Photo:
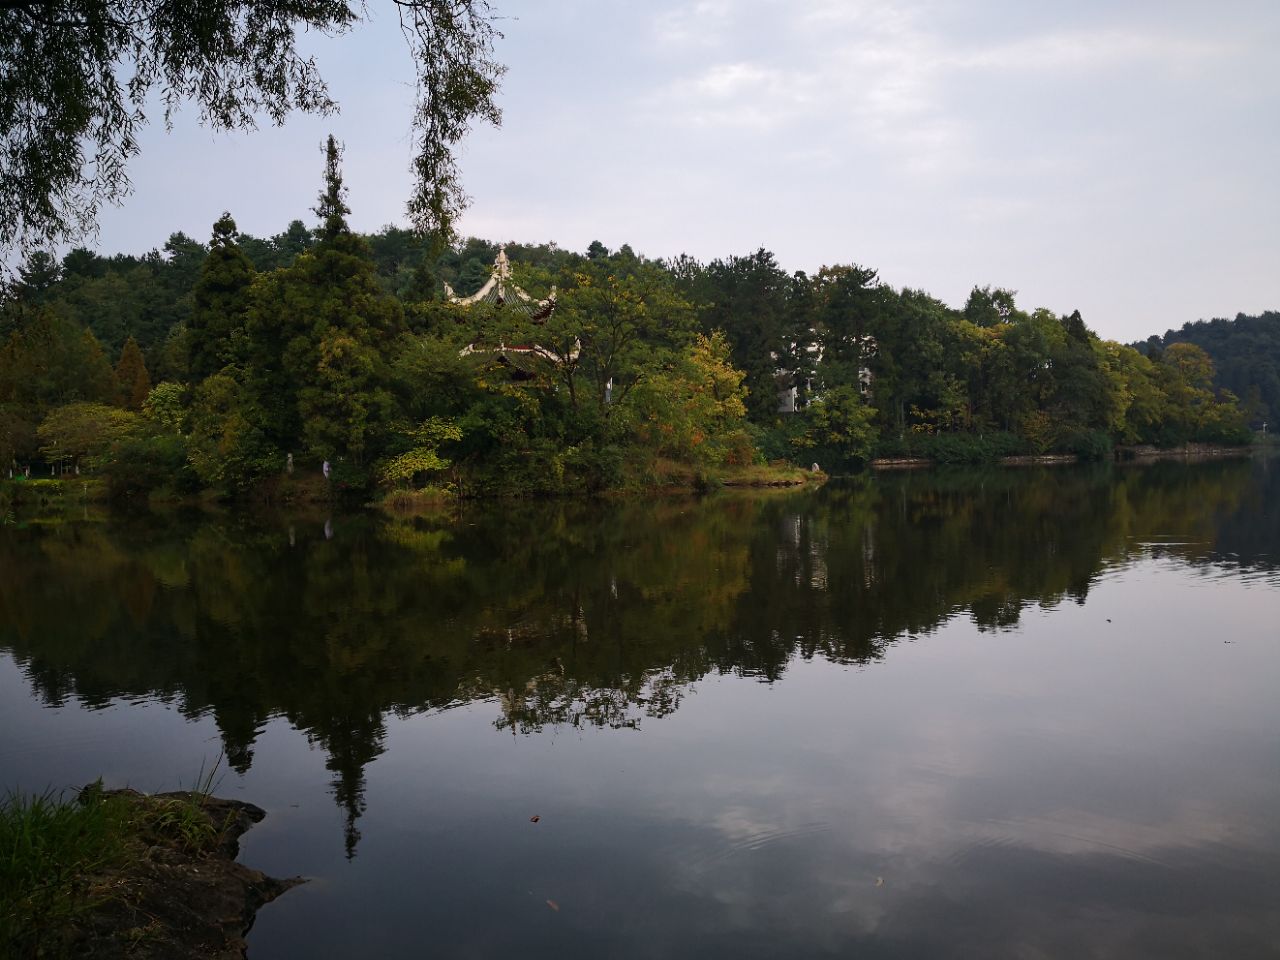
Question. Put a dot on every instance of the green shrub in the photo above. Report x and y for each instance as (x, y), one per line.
(140, 463)
(42, 492)
(774, 442)
(954, 447)
(1086, 444)
(594, 468)
(836, 430)
(1226, 434)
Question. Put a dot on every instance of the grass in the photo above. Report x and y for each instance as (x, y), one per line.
(765, 475)
(51, 491)
(667, 474)
(62, 858)
(50, 849)
(428, 499)
(181, 820)
(304, 486)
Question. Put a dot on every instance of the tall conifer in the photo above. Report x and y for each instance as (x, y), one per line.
(220, 300)
(132, 379)
(332, 208)
(320, 334)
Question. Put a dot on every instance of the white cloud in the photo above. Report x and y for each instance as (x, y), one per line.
(1077, 50)
(737, 79)
(867, 71)
(699, 25)
(945, 144)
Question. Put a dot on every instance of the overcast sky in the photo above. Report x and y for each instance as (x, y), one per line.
(1118, 157)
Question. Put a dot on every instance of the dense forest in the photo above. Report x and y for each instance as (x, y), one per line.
(1246, 353)
(247, 364)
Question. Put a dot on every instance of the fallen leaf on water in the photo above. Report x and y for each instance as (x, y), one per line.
(535, 818)
(553, 905)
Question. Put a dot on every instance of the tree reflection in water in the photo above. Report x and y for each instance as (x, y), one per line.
(574, 614)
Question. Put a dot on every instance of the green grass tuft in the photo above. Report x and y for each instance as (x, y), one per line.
(63, 858)
(50, 848)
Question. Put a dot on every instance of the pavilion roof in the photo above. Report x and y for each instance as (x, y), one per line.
(501, 290)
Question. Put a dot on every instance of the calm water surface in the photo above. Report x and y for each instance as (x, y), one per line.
(1002, 714)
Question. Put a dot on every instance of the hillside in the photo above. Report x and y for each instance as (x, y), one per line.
(1245, 353)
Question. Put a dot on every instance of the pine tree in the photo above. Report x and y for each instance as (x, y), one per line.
(40, 272)
(65, 363)
(320, 334)
(132, 379)
(220, 300)
(332, 209)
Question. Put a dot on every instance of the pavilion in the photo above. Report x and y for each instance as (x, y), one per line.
(501, 291)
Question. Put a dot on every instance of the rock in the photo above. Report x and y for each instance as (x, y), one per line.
(173, 903)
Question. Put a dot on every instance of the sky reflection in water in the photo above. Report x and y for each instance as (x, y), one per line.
(956, 714)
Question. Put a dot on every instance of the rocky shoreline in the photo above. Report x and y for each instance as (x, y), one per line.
(176, 900)
(1190, 451)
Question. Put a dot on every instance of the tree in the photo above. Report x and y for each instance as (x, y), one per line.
(82, 430)
(131, 376)
(17, 435)
(37, 275)
(850, 301)
(798, 350)
(132, 297)
(747, 298)
(229, 448)
(47, 360)
(1024, 376)
(990, 307)
(908, 365)
(695, 409)
(318, 339)
(837, 428)
(424, 454)
(1136, 404)
(346, 408)
(78, 77)
(1245, 353)
(607, 328)
(220, 300)
(165, 407)
(83, 263)
(1080, 397)
(183, 259)
(1186, 376)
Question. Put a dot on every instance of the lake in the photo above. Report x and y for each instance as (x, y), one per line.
(1002, 713)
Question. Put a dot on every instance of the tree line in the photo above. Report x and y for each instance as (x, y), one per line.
(1245, 352)
(229, 364)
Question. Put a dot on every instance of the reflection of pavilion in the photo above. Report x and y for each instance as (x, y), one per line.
(500, 291)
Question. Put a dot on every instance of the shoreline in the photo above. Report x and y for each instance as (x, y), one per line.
(1190, 451)
(172, 888)
(66, 492)
(1120, 454)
